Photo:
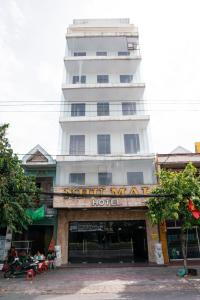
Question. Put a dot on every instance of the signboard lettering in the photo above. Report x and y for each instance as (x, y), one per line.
(109, 196)
(128, 190)
(104, 202)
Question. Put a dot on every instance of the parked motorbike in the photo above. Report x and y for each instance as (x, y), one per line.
(16, 268)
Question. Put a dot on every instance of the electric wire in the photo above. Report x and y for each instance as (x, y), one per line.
(58, 111)
(159, 101)
(150, 105)
(85, 195)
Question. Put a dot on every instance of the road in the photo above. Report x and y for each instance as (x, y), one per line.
(105, 283)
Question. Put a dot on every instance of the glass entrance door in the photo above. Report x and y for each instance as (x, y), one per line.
(107, 241)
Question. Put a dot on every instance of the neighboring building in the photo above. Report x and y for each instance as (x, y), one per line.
(104, 147)
(170, 233)
(42, 166)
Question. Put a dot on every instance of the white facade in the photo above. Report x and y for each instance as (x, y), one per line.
(104, 128)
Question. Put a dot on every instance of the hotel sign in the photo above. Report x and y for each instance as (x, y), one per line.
(83, 199)
(104, 202)
(107, 190)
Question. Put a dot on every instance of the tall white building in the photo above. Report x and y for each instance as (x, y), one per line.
(104, 128)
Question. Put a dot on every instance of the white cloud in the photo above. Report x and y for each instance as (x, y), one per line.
(16, 15)
(32, 48)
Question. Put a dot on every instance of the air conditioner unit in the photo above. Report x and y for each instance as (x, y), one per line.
(131, 46)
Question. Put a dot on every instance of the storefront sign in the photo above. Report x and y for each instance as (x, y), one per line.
(122, 190)
(83, 199)
(102, 202)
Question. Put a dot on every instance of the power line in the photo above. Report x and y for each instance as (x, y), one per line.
(76, 195)
(29, 101)
(63, 111)
(85, 155)
(84, 195)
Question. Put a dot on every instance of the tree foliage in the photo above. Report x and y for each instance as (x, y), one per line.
(176, 188)
(17, 191)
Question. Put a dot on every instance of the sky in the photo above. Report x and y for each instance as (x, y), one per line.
(32, 46)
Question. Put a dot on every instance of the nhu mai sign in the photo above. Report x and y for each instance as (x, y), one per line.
(94, 201)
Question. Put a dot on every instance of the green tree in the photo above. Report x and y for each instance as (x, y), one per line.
(181, 186)
(17, 190)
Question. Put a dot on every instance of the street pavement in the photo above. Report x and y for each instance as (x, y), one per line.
(105, 283)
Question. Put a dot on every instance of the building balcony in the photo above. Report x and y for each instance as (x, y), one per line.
(101, 40)
(102, 123)
(103, 64)
(88, 32)
(98, 91)
(107, 157)
(118, 167)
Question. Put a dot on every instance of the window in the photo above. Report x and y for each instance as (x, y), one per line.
(77, 109)
(103, 143)
(79, 79)
(102, 109)
(77, 178)
(79, 53)
(129, 108)
(135, 178)
(126, 78)
(102, 79)
(77, 145)
(132, 143)
(105, 178)
(123, 53)
(101, 53)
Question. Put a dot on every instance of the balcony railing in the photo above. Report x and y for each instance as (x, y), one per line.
(71, 33)
(110, 55)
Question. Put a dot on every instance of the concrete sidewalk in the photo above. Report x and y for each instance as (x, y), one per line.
(123, 282)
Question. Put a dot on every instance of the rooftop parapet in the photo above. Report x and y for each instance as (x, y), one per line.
(102, 22)
(101, 27)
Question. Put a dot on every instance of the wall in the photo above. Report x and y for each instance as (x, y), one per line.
(115, 109)
(118, 169)
(115, 130)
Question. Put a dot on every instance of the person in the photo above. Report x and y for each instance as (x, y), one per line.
(22, 256)
(39, 256)
(12, 254)
(51, 256)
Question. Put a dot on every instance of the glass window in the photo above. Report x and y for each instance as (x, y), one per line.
(129, 108)
(79, 53)
(79, 79)
(126, 78)
(77, 178)
(135, 178)
(77, 145)
(77, 109)
(123, 53)
(75, 79)
(103, 143)
(132, 143)
(83, 79)
(101, 53)
(105, 178)
(102, 109)
(102, 78)
(174, 243)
